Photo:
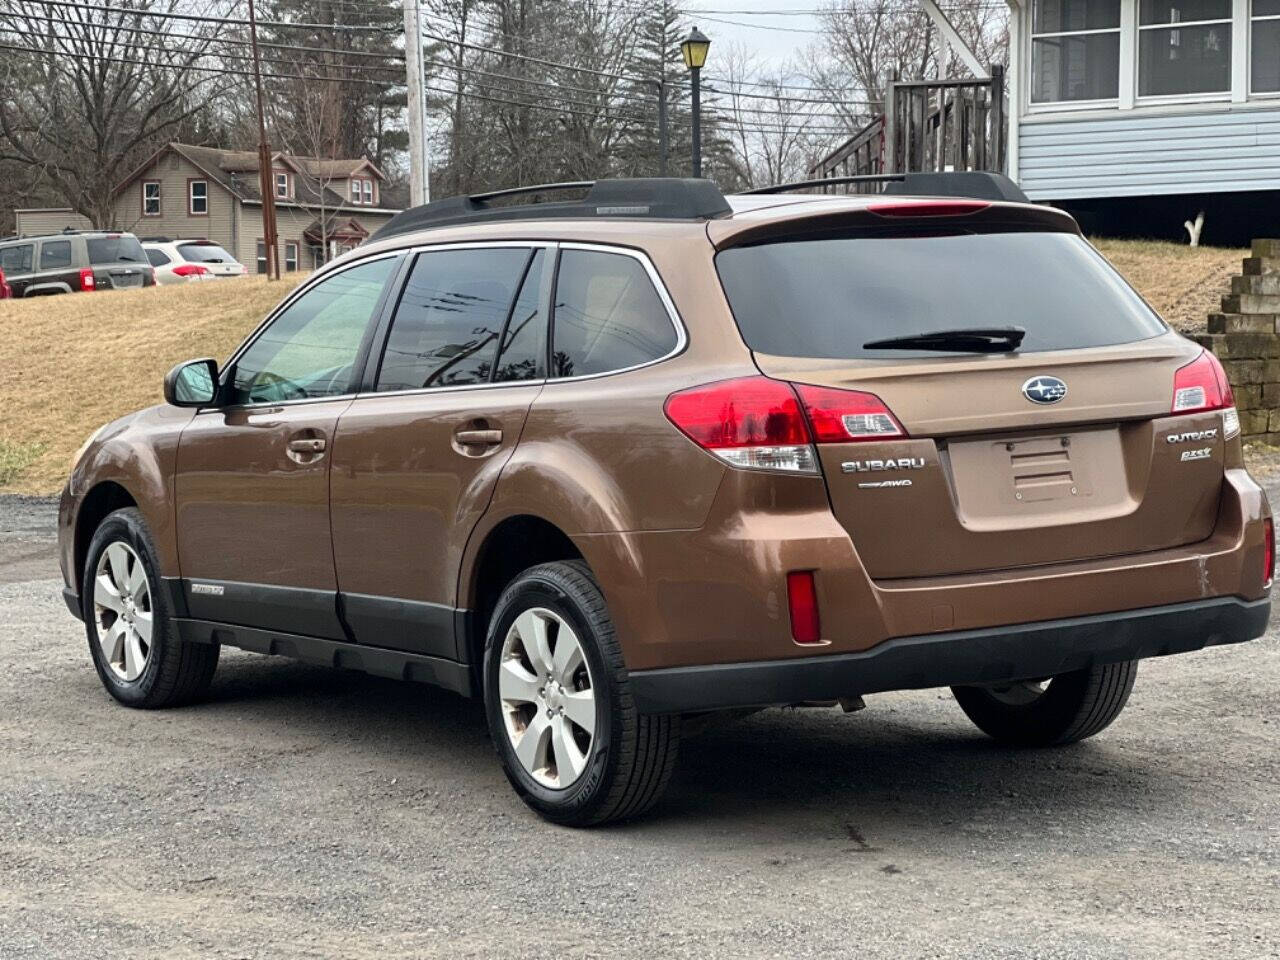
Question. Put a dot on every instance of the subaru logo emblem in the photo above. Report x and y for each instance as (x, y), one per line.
(1044, 389)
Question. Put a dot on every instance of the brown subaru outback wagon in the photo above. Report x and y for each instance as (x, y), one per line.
(616, 462)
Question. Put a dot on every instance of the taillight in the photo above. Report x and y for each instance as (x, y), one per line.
(802, 601)
(845, 416)
(1202, 385)
(87, 281)
(751, 422)
(190, 270)
(1269, 552)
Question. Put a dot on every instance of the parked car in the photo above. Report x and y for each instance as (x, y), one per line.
(74, 260)
(6, 291)
(182, 261)
(656, 454)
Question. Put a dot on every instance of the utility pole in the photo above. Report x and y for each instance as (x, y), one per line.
(266, 182)
(419, 155)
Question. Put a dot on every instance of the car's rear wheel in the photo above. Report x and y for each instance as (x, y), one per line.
(560, 707)
(138, 654)
(1057, 710)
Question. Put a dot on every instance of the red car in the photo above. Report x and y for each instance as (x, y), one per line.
(6, 291)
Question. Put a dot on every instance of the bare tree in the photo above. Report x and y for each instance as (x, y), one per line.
(98, 90)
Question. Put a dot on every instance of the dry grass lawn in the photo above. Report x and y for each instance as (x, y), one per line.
(72, 363)
(1185, 284)
(69, 364)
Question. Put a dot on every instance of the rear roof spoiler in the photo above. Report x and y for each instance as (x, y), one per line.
(656, 198)
(971, 184)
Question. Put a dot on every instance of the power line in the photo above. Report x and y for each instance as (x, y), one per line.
(197, 18)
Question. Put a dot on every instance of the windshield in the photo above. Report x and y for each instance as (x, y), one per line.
(829, 297)
(122, 249)
(204, 253)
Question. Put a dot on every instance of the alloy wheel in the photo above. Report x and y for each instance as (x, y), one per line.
(122, 611)
(548, 697)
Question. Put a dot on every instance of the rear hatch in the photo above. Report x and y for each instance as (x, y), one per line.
(212, 257)
(1060, 448)
(119, 262)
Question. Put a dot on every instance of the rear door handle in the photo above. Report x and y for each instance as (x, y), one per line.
(309, 445)
(479, 438)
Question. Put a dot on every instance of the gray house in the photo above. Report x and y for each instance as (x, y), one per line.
(1143, 109)
(323, 207)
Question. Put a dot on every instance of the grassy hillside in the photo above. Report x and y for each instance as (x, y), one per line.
(69, 364)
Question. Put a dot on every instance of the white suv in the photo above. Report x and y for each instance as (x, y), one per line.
(181, 261)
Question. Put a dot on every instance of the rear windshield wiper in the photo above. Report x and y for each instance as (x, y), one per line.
(961, 340)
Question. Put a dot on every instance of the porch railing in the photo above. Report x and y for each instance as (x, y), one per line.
(927, 126)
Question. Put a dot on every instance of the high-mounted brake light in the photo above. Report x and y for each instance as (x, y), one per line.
(751, 422)
(927, 208)
(845, 416)
(87, 281)
(1201, 386)
(190, 270)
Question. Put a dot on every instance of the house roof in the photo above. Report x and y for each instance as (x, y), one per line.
(237, 172)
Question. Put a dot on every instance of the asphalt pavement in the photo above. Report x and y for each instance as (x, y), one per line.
(314, 813)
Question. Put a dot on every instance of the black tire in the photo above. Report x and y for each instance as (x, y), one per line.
(631, 756)
(1072, 706)
(175, 672)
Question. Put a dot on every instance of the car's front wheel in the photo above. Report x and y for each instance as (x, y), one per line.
(1058, 710)
(560, 707)
(139, 656)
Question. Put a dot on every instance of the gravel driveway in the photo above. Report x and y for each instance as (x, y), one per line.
(304, 812)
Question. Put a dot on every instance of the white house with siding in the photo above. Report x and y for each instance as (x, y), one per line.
(1114, 99)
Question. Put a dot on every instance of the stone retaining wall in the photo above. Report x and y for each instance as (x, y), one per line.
(1245, 336)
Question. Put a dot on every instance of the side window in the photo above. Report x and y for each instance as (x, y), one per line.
(55, 254)
(309, 350)
(15, 260)
(158, 258)
(445, 331)
(608, 316)
(523, 352)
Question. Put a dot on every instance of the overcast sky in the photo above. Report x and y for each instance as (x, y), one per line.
(774, 38)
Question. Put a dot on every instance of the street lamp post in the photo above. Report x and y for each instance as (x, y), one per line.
(694, 49)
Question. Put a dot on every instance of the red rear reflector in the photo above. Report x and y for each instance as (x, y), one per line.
(1269, 553)
(845, 416)
(1201, 385)
(87, 281)
(802, 599)
(927, 208)
(190, 270)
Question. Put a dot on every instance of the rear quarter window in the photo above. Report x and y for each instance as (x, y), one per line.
(608, 316)
(827, 297)
(55, 254)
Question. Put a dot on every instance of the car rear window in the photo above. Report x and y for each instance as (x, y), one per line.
(115, 250)
(204, 253)
(827, 297)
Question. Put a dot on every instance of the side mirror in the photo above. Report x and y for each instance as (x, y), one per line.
(192, 384)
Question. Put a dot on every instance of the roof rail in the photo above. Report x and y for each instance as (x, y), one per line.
(653, 198)
(974, 184)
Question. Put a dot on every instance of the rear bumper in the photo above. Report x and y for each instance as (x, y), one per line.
(992, 655)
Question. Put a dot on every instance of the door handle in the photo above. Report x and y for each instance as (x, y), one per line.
(479, 438)
(308, 445)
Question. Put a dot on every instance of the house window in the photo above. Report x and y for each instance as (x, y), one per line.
(262, 256)
(282, 186)
(1264, 53)
(368, 191)
(317, 255)
(1075, 50)
(151, 198)
(198, 191)
(356, 191)
(1184, 46)
(290, 256)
